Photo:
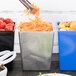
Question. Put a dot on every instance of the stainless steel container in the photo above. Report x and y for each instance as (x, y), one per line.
(36, 50)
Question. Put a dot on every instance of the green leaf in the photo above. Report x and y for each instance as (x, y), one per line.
(40, 74)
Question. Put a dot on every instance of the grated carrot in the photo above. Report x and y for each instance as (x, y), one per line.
(35, 12)
(37, 24)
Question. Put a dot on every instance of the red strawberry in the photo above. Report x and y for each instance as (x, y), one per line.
(2, 29)
(11, 24)
(1, 18)
(8, 20)
(2, 24)
(9, 28)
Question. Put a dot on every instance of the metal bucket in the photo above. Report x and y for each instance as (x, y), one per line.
(36, 50)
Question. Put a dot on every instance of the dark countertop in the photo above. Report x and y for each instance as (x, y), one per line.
(17, 68)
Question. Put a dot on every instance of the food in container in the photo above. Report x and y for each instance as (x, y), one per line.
(7, 37)
(66, 44)
(67, 26)
(37, 24)
(36, 42)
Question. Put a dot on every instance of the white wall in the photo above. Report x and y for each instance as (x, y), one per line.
(52, 5)
(54, 10)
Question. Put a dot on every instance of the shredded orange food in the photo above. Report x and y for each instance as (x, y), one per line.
(37, 24)
(35, 12)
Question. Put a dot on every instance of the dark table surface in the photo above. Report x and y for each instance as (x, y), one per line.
(17, 68)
